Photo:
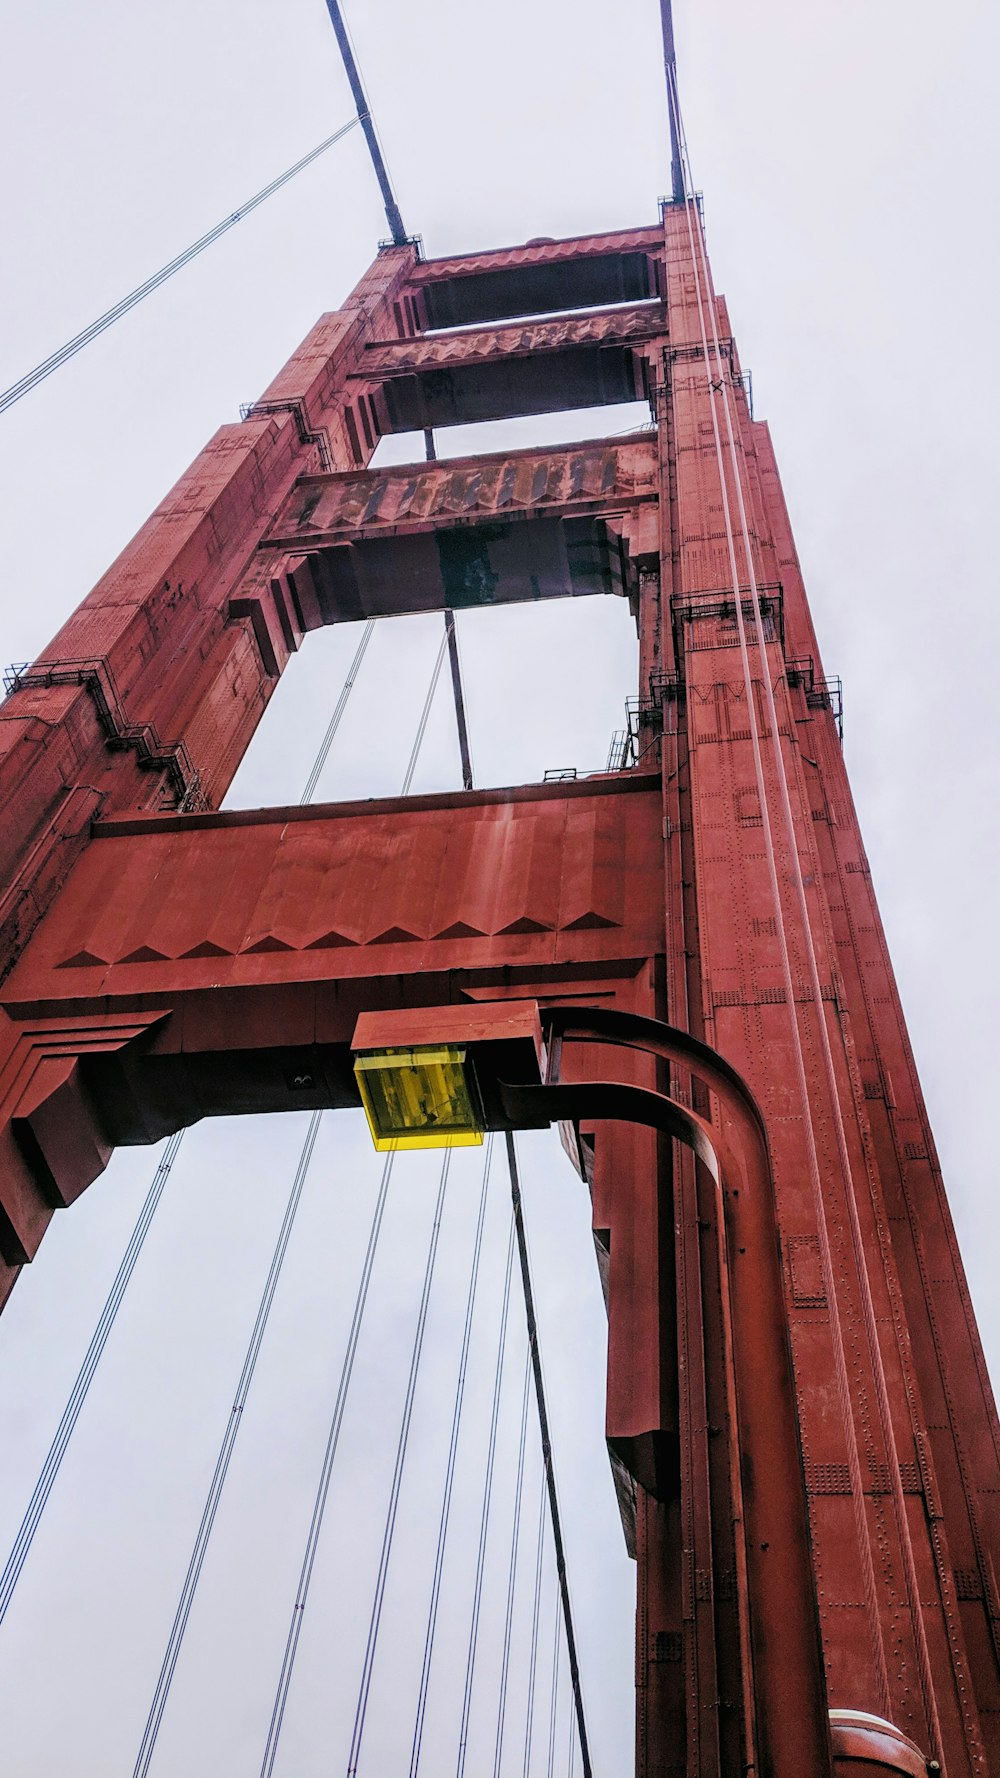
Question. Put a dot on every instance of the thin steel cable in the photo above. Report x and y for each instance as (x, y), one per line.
(339, 707)
(371, 1645)
(333, 1438)
(571, 1762)
(74, 1406)
(456, 1421)
(484, 1519)
(529, 1722)
(217, 1484)
(323, 1488)
(424, 714)
(554, 1698)
(71, 1412)
(535, 1355)
(56, 359)
(911, 1581)
(512, 1570)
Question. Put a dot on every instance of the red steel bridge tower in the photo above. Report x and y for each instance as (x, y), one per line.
(680, 960)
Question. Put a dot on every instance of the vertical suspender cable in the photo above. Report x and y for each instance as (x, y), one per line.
(550, 1474)
(424, 714)
(361, 1709)
(529, 1722)
(326, 1473)
(338, 710)
(217, 1484)
(85, 1376)
(456, 1421)
(484, 1520)
(99, 1339)
(854, 1222)
(222, 1462)
(554, 1697)
(512, 1571)
(464, 748)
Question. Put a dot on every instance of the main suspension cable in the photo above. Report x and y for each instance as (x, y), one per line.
(57, 359)
(85, 1376)
(400, 238)
(367, 122)
(456, 1420)
(484, 1518)
(512, 1570)
(361, 1709)
(547, 1459)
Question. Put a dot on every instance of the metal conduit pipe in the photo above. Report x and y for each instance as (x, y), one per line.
(785, 1734)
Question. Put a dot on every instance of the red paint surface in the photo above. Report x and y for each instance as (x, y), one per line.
(160, 966)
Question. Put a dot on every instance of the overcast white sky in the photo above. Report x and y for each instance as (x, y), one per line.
(848, 155)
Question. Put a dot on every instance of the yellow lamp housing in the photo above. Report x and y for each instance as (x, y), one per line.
(433, 1076)
(423, 1097)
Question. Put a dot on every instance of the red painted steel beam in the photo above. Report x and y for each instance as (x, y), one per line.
(542, 277)
(606, 477)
